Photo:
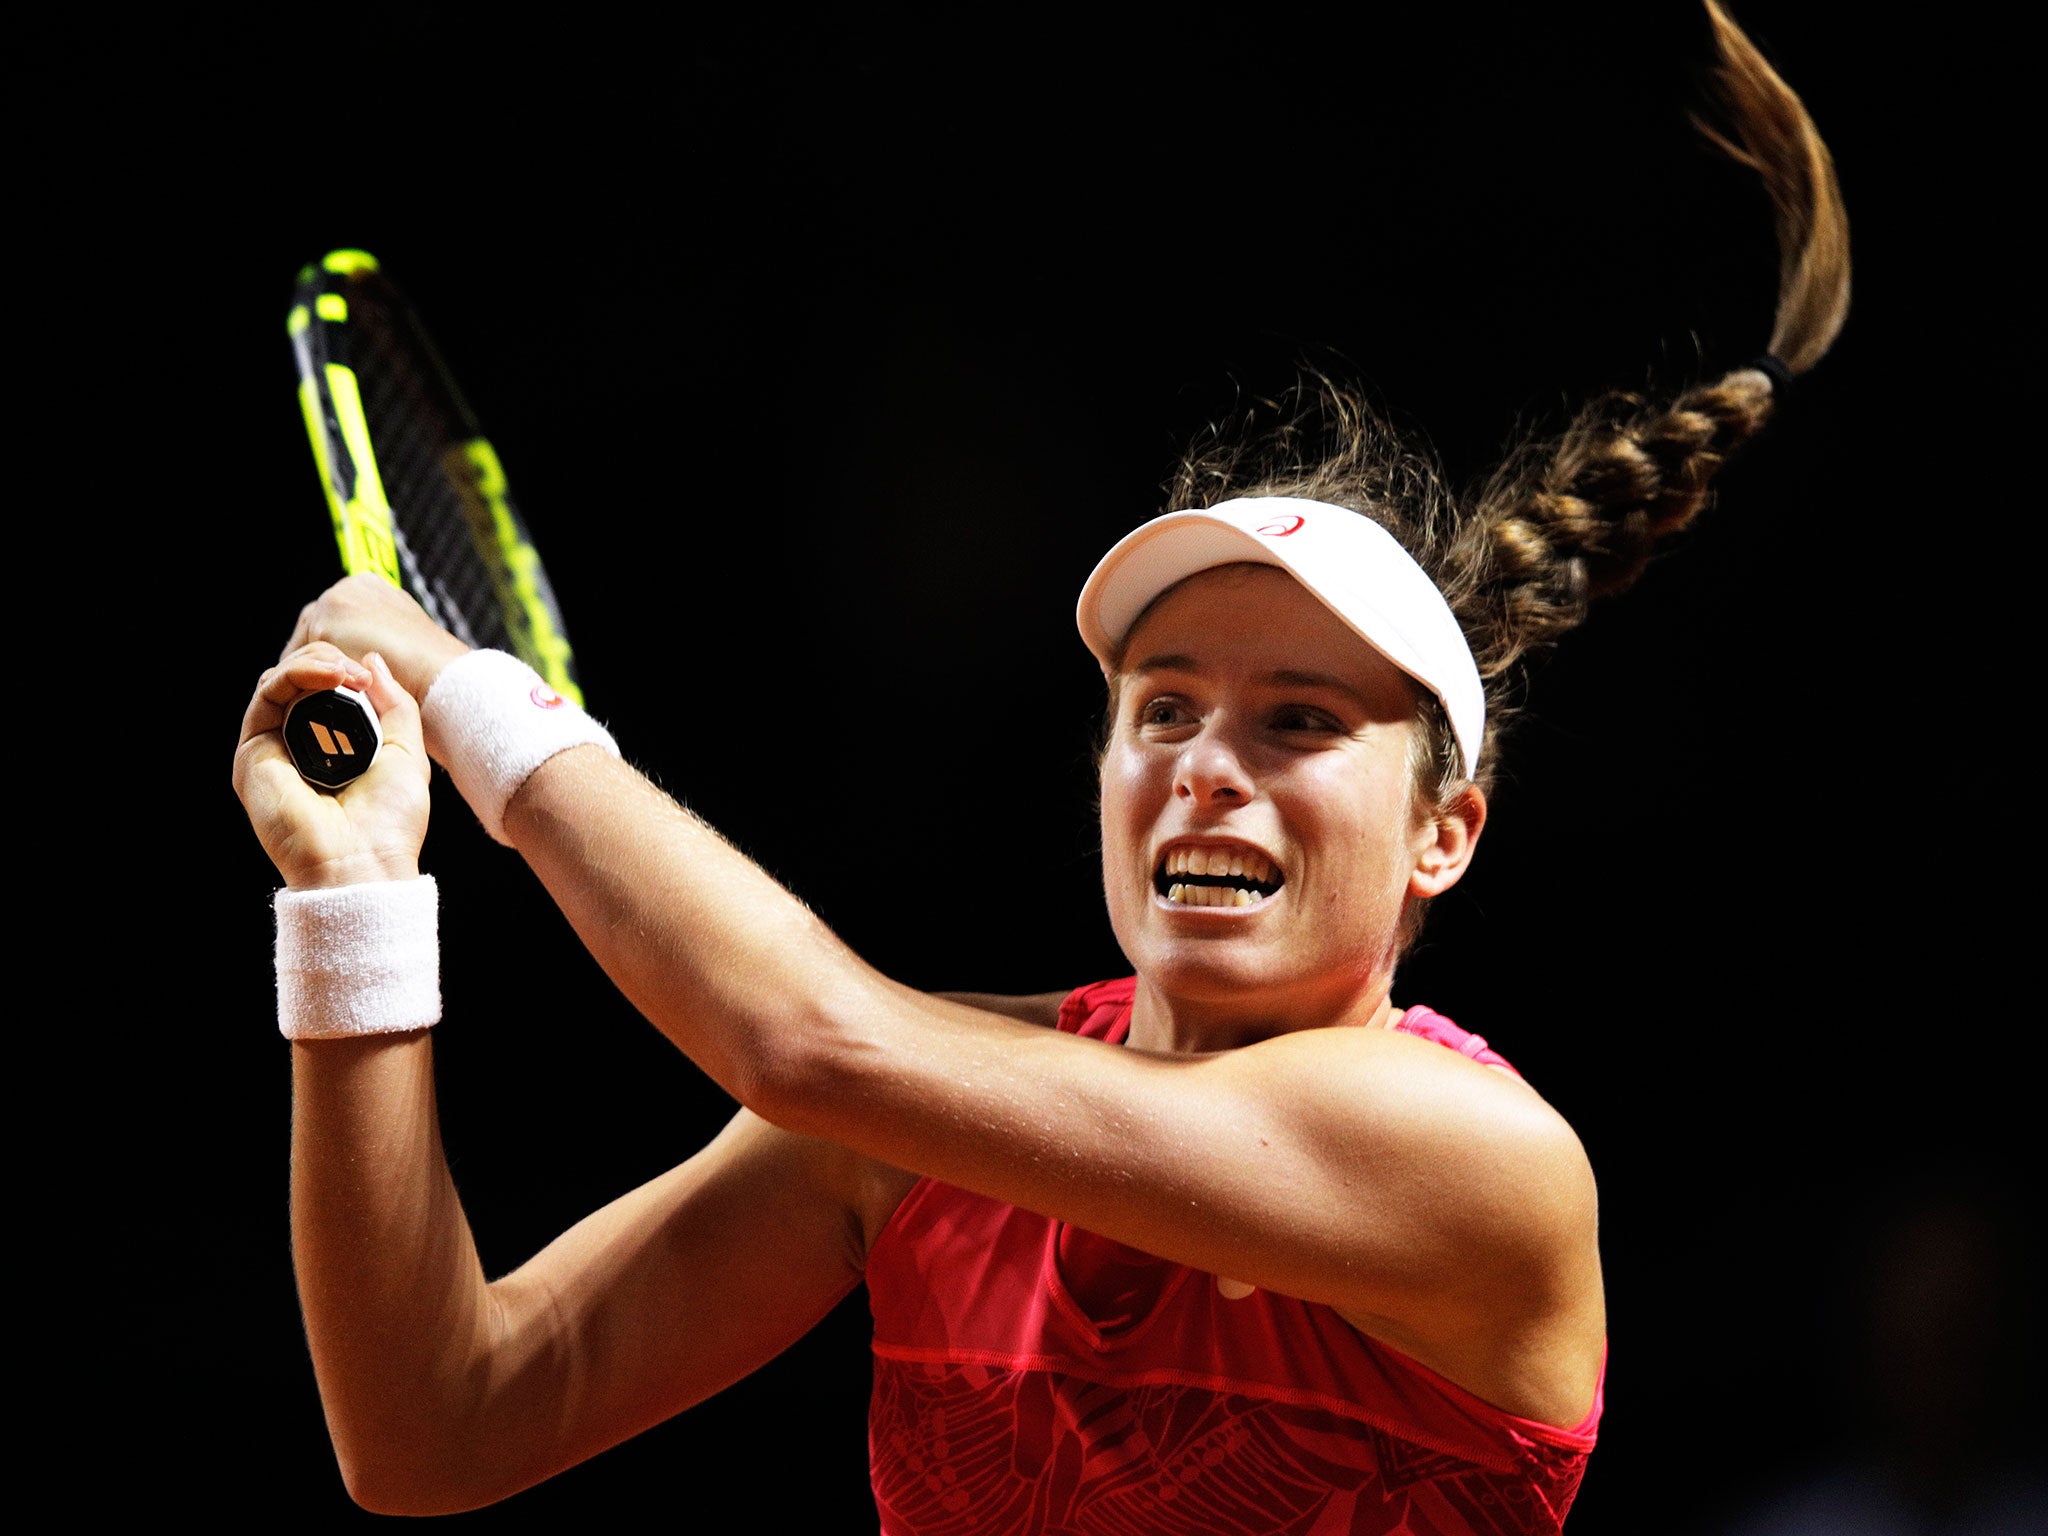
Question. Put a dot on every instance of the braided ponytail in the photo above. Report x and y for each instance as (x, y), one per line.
(1577, 517)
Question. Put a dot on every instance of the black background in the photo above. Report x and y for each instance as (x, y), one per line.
(825, 358)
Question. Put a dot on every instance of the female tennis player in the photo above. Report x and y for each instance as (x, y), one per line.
(1238, 1243)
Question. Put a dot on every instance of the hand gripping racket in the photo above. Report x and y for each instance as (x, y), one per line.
(417, 494)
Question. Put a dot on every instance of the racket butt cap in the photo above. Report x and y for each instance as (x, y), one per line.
(333, 737)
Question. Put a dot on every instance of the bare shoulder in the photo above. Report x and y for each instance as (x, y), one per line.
(1517, 1315)
(1040, 1008)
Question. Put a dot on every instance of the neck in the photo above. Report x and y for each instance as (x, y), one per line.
(1183, 1025)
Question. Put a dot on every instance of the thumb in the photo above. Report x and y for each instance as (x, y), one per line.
(397, 713)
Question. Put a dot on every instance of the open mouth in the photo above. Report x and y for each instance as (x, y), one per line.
(1216, 876)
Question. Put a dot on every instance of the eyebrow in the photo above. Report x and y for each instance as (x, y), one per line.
(1286, 677)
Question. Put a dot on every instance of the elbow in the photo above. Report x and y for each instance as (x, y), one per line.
(448, 1426)
(380, 1494)
(390, 1485)
(423, 1475)
(401, 1486)
(811, 1073)
(382, 1490)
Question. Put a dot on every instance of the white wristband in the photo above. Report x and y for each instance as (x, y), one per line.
(358, 959)
(493, 720)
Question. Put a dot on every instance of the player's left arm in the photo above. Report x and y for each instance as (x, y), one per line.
(1378, 1173)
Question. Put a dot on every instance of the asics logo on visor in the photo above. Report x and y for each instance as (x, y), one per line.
(1280, 527)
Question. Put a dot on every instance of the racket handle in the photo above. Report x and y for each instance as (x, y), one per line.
(333, 736)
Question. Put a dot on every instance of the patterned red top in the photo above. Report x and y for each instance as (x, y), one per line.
(1032, 1379)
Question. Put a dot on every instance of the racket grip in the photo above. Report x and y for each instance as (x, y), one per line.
(333, 736)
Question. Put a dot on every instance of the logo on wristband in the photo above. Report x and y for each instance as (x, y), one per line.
(546, 697)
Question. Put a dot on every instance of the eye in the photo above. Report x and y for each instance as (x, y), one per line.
(1162, 712)
(1303, 717)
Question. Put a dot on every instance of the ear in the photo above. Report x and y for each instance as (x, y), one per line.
(1444, 845)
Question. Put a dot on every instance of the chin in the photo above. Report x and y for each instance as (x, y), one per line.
(1212, 970)
(1233, 971)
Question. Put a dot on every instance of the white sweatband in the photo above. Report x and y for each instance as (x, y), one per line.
(493, 720)
(358, 959)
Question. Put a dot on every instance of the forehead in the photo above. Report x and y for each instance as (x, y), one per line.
(1257, 622)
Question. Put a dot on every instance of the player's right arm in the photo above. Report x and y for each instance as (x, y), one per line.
(443, 1390)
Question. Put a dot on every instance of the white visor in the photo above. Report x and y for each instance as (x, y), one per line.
(1352, 565)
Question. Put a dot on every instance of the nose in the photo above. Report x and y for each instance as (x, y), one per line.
(1210, 771)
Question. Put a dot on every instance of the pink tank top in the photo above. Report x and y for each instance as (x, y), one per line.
(1032, 1379)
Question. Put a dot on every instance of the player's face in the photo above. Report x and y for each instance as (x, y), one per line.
(1259, 762)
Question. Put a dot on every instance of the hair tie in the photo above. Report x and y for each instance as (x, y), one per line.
(1774, 369)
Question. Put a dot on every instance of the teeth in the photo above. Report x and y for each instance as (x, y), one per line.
(1219, 861)
(1253, 868)
(1211, 895)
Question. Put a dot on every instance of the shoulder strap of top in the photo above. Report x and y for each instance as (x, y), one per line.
(1428, 1024)
(1101, 1011)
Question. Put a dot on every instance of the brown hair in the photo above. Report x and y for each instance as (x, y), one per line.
(1566, 519)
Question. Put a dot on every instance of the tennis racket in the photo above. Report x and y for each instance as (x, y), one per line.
(417, 495)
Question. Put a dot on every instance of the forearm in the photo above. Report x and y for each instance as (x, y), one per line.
(761, 995)
(731, 967)
(397, 1310)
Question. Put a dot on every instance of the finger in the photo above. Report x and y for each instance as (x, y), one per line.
(327, 650)
(301, 631)
(261, 760)
(307, 670)
(398, 714)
